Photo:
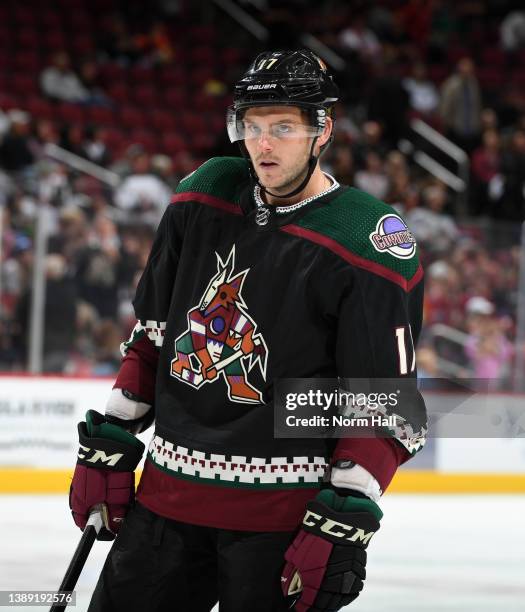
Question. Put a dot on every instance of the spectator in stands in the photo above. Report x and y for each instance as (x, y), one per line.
(23, 208)
(402, 195)
(59, 314)
(511, 204)
(357, 37)
(59, 82)
(107, 339)
(434, 230)
(15, 148)
(123, 165)
(16, 267)
(95, 146)
(443, 294)
(142, 192)
(90, 78)
(97, 267)
(73, 139)
(162, 166)
(371, 139)
(341, 164)
(133, 241)
(487, 347)
(372, 178)
(45, 132)
(71, 235)
(489, 120)
(485, 166)
(460, 107)
(398, 177)
(512, 31)
(424, 97)
(53, 186)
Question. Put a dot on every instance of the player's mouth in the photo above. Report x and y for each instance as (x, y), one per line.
(266, 164)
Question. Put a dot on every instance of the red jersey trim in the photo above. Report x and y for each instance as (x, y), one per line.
(380, 456)
(221, 507)
(354, 259)
(207, 199)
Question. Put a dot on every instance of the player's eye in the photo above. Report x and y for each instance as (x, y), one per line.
(252, 130)
(283, 129)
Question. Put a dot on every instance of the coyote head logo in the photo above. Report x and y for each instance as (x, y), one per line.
(223, 290)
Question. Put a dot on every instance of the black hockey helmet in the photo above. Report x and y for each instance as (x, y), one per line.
(294, 78)
(285, 78)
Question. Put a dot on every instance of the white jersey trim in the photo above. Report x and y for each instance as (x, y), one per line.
(240, 469)
(154, 330)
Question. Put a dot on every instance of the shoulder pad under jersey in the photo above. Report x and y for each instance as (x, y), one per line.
(368, 233)
(219, 177)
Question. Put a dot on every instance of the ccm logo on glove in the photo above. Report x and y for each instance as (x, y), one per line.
(98, 455)
(336, 529)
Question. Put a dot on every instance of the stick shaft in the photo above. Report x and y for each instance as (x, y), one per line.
(80, 555)
(77, 563)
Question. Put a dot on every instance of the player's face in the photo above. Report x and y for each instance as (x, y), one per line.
(279, 144)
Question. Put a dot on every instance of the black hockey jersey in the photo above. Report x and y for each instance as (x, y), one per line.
(235, 296)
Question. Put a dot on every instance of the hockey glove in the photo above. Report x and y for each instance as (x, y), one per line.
(104, 473)
(325, 566)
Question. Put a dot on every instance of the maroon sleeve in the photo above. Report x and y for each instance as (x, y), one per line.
(139, 369)
(375, 316)
(380, 456)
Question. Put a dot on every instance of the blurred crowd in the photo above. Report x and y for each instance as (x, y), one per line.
(98, 243)
(100, 234)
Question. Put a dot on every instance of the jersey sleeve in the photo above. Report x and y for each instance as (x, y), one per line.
(140, 352)
(378, 326)
(377, 284)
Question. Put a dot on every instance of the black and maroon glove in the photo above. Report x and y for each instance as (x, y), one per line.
(104, 473)
(326, 562)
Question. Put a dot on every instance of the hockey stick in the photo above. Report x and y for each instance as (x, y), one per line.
(91, 530)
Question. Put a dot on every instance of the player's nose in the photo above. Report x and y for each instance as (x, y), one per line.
(265, 142)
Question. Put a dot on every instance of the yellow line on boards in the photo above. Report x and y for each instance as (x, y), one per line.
(14, 480)
(423, 481)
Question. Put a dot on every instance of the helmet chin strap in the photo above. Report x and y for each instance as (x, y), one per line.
(310, 169)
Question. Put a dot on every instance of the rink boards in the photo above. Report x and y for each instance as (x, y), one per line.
(38, 441)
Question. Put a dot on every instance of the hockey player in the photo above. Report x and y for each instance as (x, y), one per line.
(263, 268)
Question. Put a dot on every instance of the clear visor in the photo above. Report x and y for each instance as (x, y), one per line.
(241, 128)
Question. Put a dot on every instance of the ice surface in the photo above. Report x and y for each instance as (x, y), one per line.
(433, 553)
